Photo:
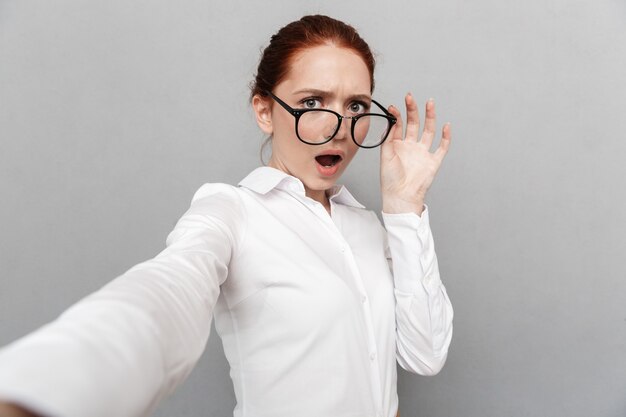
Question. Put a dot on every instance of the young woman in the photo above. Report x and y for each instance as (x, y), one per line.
(295, 271)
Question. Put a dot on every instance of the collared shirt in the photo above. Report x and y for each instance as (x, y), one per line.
(310, 315)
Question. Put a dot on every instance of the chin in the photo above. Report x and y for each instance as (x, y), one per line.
(315, 183)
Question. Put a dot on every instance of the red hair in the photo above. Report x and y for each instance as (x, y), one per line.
(308, 32)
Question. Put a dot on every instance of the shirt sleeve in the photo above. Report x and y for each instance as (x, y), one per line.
(423, 310)
(121, 349)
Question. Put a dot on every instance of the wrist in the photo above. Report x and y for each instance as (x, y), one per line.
(393, 206)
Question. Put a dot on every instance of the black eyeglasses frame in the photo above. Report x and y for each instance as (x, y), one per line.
(297, 113)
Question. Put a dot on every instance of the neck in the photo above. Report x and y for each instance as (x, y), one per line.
(319, 196)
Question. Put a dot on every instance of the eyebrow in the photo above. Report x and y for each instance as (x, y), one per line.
(322, 93)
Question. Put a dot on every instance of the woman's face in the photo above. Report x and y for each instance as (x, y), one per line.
(328, 77)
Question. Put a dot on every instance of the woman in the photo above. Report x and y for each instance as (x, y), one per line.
(295, 271)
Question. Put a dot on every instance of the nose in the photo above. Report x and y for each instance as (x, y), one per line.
(344, 128)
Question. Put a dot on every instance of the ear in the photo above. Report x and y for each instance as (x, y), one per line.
(263, 111)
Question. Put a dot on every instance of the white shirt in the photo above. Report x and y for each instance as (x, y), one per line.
(311, 318)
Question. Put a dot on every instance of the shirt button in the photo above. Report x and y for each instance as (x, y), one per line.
(343, 249)
(363, 299)
(372, 356)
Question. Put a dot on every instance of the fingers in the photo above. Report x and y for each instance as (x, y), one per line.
(444, 145)
(395, 134)
(413, 126)
(396, 130)
(429, 124)
(412, 118)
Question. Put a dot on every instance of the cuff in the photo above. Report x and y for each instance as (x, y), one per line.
(408, 220)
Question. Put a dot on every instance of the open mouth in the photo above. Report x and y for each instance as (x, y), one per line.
(328, 160)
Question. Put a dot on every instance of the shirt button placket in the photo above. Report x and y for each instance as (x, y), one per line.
(374, 366)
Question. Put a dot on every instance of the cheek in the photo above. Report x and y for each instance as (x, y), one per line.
(283, 133)
(287, 146)
(352, 151)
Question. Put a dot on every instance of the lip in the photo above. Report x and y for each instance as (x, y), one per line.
(339, 152)
(329, 171)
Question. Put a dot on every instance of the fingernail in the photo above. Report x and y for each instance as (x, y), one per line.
(431, 99)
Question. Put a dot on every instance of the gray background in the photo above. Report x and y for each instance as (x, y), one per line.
(113, 113)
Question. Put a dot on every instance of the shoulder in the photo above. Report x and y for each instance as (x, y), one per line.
(361, 221)
(214, 206)
(363, 214)
(217, 199)
(373, 222)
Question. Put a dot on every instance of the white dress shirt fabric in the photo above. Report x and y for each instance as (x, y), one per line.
(311, 318)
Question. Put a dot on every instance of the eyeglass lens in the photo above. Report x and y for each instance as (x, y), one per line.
(319, 126)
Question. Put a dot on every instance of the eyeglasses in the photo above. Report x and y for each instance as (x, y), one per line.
(319, 126)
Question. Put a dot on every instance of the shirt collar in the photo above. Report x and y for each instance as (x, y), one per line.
(264, 179)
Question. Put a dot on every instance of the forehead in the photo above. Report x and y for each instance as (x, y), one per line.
(328, 68)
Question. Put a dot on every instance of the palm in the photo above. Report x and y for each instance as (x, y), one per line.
(408, 168)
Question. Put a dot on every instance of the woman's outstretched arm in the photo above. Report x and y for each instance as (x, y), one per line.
(120, 350)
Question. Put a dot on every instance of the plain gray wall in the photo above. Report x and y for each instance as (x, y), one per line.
(113, 113)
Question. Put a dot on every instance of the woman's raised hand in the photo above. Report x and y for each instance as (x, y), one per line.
(407, 166)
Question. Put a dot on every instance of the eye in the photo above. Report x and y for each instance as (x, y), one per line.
(358, 107)
(311, 103)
